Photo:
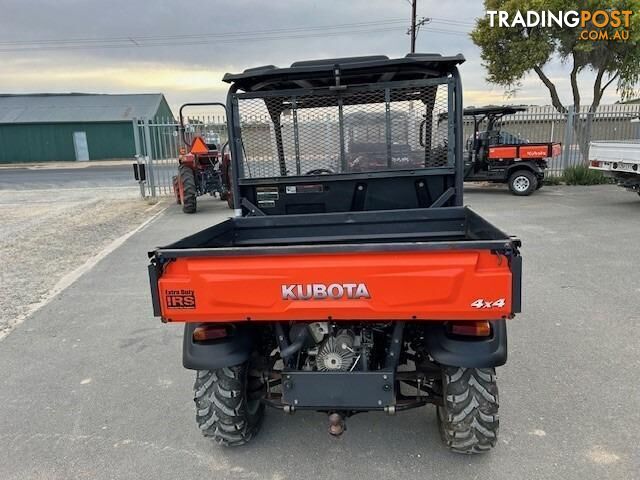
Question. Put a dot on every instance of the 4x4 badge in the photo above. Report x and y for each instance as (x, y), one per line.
(482, 303)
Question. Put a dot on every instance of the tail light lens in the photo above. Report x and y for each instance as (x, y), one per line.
(209, 332)
(470, 329)
(595, 163)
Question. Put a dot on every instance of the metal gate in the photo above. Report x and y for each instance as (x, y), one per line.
(158, 142)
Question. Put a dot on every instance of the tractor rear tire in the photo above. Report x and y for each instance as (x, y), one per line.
(468, 418)
(189, 197)
(228, 404)
(522, 183)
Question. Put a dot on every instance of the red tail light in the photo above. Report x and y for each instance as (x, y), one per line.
(470, 329)
(595, 163)
(212, 332)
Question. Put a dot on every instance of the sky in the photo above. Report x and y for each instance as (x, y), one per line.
(194, 43)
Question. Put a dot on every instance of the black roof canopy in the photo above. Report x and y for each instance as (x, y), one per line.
(493, 110)
(348, 71)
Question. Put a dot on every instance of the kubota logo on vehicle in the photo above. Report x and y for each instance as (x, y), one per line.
(320, 291)
(535, 153)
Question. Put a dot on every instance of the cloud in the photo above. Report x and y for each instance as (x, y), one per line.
(193, 72)
(143, 77)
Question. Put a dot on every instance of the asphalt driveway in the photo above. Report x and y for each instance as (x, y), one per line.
(92, 386)
(118, 176)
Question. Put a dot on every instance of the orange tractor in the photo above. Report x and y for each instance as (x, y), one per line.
(203, 164)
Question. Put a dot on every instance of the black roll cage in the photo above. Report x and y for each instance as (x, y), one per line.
(449, 75)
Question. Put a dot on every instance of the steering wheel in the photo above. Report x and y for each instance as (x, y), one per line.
(320, 171)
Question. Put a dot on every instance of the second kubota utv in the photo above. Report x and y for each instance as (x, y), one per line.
(352, 278)
(203, 164)
(493, 155)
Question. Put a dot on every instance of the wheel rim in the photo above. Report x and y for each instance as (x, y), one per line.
(521, 184)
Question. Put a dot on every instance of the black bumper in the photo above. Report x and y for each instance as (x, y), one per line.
(372, 390)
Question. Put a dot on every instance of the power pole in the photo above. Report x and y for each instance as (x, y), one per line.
(413, 25)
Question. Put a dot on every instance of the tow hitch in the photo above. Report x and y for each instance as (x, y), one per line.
(337, 424)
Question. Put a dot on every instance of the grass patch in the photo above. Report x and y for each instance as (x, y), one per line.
(552, 179)
(582, 175)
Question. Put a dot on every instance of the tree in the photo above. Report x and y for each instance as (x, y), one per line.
(509, 54)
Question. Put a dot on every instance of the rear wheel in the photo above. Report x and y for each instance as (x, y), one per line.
(189, 193)
(523, 183)
(228, 404)
(468, 418)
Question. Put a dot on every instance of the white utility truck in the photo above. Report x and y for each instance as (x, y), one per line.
(619, 160)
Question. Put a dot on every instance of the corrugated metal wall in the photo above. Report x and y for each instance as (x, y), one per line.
(54, 142)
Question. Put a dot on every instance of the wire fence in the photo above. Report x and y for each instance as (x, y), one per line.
(574, 130)
(158, 141)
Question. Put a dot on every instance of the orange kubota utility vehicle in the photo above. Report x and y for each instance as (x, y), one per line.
(344, 283)
(494, 155)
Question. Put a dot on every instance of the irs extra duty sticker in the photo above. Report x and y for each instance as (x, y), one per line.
(180, 299)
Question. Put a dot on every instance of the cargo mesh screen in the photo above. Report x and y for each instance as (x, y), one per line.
(348, 132)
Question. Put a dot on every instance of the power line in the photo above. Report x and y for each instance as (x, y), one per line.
(195, 42)
(139, 38)
(452, 22)
(446, 31)
(359, 28)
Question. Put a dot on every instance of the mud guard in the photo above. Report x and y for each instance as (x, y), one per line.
(468, 353)
(225, 352)
(526, 165)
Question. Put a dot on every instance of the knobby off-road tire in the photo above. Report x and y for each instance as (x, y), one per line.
(228, 404)
(522, 183)
(468, 419)
(186, 176)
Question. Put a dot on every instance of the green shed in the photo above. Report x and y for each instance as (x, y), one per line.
(74, 126)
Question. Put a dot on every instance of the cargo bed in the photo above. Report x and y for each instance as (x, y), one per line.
(451, 227)
(428, 264)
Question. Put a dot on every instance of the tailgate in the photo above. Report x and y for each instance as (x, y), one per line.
(406, 285)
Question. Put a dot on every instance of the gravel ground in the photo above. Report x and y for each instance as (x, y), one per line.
(48, 233)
